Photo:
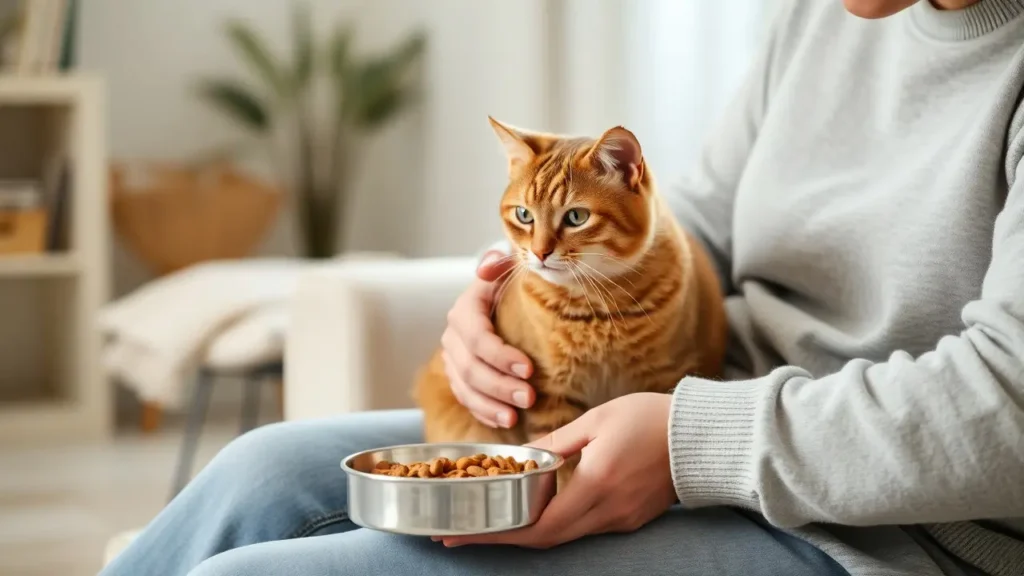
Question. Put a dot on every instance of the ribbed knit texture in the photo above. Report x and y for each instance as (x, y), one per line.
(711, 442)
(862, 200)
(972, 22)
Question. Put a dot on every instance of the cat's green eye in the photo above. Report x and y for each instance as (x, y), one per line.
(576, 217)
(523, 215)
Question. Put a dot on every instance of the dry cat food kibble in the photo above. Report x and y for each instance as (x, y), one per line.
(465, 467)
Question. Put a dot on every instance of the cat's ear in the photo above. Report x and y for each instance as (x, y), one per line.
(521, 146)
(617, 153)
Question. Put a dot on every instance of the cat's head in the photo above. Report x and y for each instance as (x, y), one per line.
(576, 207)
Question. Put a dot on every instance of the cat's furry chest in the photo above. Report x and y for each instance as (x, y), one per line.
(584, 359)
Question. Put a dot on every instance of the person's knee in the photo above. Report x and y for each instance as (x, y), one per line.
(270, 442)
(261, 460)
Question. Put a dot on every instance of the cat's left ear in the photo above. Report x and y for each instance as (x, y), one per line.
(617, 153)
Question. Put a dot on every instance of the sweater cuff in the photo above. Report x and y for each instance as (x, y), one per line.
(711, 442)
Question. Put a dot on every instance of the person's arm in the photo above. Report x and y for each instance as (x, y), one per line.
(937, 438)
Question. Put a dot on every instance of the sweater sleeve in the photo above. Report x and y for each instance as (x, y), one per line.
(937, 438)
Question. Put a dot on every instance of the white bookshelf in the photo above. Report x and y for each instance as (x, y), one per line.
(52, 385)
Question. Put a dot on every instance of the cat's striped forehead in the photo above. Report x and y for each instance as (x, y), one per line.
(550, 176)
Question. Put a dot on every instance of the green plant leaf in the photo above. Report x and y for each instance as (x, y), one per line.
(238, 102)
(380, 88)
(410, 51)
(302, 24)
(339, 51)
(382, 108)
(253, 50)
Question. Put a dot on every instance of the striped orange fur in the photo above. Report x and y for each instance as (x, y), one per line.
(624, 301)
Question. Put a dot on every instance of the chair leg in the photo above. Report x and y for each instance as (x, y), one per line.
(253, 388)
(279, 389)
(149, 420)
(193, 430)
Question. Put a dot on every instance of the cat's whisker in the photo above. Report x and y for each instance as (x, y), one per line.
(617, 261)
(512, 269)
(634, 268)
(626, 292)
(584, 287)
(603, 290)
(597, 288)
(516, 271)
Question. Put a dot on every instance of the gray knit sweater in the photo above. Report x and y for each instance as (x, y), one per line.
(864, 200)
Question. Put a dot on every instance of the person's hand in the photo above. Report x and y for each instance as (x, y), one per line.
(622, 482)
(486, 375)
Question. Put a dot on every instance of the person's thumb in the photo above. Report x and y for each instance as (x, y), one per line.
(568, 439)
(493, 265)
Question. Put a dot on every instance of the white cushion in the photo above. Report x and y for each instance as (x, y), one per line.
(255, 340)
(117, 544)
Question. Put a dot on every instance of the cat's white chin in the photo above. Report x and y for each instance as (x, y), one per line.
(554, 275)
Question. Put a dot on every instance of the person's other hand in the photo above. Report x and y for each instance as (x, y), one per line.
(622, 482)
(486, 375)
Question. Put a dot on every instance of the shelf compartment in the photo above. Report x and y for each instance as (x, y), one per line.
(38, 265)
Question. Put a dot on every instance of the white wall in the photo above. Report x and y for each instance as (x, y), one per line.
(686, 59)
(432, 180)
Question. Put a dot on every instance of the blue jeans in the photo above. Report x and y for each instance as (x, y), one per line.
(273, 503)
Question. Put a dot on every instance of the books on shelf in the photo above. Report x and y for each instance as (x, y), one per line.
(39, 37)
(46, 199)
(22, 218)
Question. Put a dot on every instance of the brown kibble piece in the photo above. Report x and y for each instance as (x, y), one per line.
(437, 467)
(466, 467)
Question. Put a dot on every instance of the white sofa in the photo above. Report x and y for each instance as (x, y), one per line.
(359, 332)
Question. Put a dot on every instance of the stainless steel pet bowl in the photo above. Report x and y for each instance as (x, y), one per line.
(448, 507)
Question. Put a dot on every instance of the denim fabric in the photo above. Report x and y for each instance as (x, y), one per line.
(273, 503)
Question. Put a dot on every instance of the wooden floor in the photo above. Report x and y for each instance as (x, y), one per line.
(60, 505)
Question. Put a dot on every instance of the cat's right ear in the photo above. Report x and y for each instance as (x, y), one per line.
(521, 146)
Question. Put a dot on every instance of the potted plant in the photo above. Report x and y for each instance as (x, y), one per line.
(365, 92)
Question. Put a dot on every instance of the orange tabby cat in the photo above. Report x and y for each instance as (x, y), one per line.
(609, 296)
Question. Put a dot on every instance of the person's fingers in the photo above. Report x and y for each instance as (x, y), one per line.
(570, 515)
(476, 332)
(483, 408)
(483, 377)
(571, 438)
(493, 265)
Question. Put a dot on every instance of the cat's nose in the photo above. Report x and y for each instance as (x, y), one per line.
(541, 255)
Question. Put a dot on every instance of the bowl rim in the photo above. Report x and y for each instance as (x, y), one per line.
(555, 465)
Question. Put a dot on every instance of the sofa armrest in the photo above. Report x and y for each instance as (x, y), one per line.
(360, 331)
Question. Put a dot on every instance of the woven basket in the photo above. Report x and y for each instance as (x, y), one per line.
(172, 217)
